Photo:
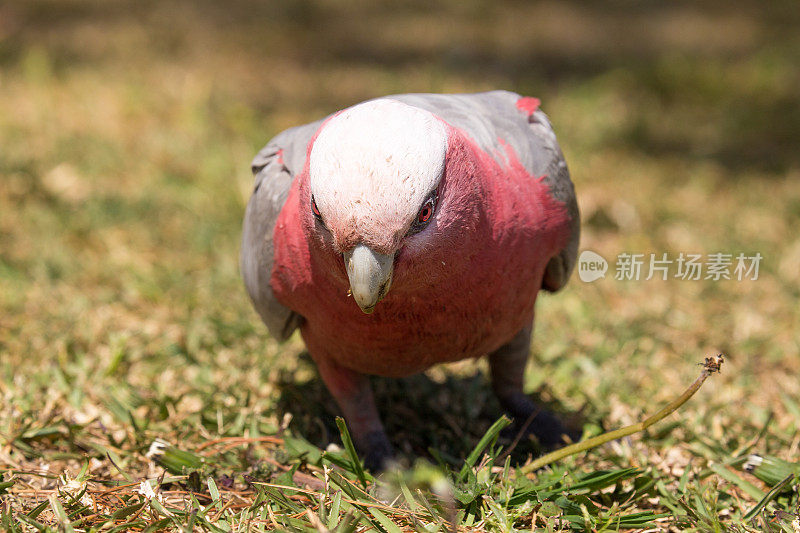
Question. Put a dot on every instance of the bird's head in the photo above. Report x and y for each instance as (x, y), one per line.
(374, 174)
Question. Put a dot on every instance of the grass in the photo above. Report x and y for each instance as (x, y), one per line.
(126, 131)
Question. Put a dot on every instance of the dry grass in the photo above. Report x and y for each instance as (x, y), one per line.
(126, 132)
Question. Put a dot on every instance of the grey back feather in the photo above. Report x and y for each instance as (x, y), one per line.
(275, 167)
(486, 117)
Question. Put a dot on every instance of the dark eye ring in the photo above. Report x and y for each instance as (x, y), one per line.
(426, 212)
(424, 215)
(315, 209)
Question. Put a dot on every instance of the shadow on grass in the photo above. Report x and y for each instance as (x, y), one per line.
(424, 417)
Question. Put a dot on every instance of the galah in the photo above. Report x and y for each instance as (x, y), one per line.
(407, 231)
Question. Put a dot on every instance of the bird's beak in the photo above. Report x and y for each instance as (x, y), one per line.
(370, 275)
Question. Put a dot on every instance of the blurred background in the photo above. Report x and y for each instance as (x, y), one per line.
(126, 132)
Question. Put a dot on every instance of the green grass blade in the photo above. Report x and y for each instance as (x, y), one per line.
(770, 469)
(752, 513)
(33, 523)
(33, 513)
(127, 510)
(5, 485)
(158, 525)
(333, 519)
(750, 489)
(58, 510)
(488, 438)
(640, 520)
(384, 520)
(213, 491)
(601, 479)
(351, 450)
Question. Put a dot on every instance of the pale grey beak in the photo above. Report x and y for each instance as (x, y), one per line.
(370, 275)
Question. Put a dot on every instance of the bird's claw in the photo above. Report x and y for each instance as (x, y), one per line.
(377, 451)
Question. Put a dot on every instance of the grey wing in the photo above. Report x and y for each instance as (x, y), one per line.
(492, 116)
(275, 167)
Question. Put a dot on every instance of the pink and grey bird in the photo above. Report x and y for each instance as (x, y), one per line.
(408, 231)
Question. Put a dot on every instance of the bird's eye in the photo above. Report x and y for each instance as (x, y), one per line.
(425, 213)
(314, 208)
(424, 216)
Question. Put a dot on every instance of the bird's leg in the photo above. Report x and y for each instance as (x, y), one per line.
(508, 372)
(353, 392)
